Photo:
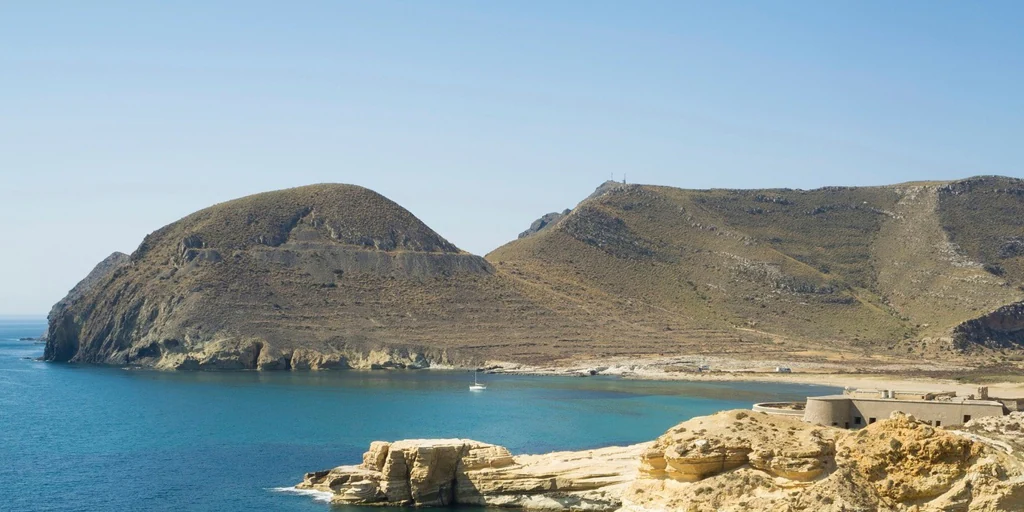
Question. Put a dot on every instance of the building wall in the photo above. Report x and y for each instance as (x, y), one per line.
(859, 412)
(1012, 404)
(828, 411)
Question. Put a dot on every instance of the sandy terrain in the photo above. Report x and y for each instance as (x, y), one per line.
(925, 376)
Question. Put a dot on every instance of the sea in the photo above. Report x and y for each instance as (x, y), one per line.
(87, 438)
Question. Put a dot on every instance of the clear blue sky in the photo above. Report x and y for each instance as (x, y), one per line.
(119, 117)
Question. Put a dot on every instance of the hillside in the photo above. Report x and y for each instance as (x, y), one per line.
(321, 276)
(337, 276)
(886, 271)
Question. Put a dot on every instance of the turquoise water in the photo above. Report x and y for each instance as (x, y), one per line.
(87, 438)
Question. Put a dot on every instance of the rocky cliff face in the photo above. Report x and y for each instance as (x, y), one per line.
(1002, 328)
(100, 272)
(731, 461)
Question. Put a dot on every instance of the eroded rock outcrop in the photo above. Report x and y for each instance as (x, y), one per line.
(731, 461)
(778, 463)
(254, 353)
(433, 472)
(546, 221)
(711, 445)
(1003, 433)
(1002, 328)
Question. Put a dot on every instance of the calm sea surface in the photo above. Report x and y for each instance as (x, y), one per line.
(86, 438)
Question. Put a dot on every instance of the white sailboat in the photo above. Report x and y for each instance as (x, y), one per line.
(476, 386)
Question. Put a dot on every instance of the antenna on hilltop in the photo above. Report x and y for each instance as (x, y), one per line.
(612, 178)
(623, 178)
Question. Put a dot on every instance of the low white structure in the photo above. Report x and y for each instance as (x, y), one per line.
(781, 408)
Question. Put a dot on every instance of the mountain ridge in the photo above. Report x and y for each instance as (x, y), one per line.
(336, 276)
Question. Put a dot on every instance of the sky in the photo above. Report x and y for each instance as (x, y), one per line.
(117, 118)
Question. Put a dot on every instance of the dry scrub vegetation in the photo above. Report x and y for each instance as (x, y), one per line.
(339, 276)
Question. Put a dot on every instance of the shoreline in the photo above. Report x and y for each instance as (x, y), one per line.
(724, 369)
(728, 370)
(730, 460)
(840, 380)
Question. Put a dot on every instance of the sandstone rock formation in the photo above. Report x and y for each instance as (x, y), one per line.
(778, 463)
(435, 472)
(1004, 433)
(710, 445)
(731, 461)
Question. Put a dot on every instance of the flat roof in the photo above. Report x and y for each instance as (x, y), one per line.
(953, 400)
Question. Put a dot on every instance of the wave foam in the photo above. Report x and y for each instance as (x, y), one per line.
(317, 495)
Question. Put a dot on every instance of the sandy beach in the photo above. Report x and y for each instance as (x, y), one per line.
(907, 377)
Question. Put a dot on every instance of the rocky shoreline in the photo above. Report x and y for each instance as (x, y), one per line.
(730, 461)
(249, 355)
(441, 472)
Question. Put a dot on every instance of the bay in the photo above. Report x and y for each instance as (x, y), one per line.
(88, 438)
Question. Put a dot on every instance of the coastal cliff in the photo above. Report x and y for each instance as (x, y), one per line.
(731, 461)
(318, 277)
(100, 272)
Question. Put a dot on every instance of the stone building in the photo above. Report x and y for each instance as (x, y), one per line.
(859, 408)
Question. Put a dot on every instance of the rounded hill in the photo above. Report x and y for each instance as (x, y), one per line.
(323, 274)
(344, 214)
